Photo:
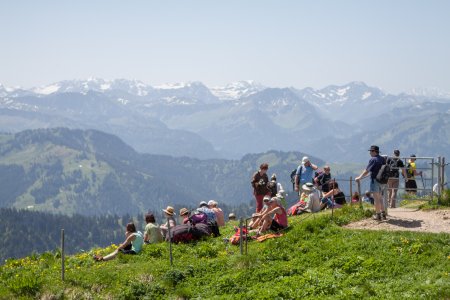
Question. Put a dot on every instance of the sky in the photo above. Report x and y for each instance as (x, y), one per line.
(394, 45)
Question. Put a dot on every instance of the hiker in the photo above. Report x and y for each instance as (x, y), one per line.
(152, 233)
(169, 214)
(220, 218)
(211, 218)
(309, 201)
(304, 174)
(368, 197)
(259, 183)
(132, 244)
(334, 198)
(278, 222)
(184, 216)
(322, 179)
(231, 217)
(375, 163)
(274, 186)
(256, 217)
(355, 197)
(411, 173)
(395, 164)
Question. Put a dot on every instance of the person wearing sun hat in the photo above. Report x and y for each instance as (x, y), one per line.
(169, 213)
(184, 215)
(374, 165)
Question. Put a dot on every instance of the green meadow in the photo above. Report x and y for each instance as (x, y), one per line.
(315, 259)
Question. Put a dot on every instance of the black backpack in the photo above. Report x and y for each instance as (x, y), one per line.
(384, 173)
(293, 173)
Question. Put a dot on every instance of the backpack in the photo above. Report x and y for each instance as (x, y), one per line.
(293, 173)
(181, 234)
(384, 173)
(198, 217)
(201, 230)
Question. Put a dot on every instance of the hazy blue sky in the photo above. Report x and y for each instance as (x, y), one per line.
(395, 45)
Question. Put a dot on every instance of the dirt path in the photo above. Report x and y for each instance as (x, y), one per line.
(404, 219)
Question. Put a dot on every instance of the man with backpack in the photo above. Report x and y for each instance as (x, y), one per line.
(395, 164)
(322, 179)
(411, 173)
(304, 174)
(374, 166)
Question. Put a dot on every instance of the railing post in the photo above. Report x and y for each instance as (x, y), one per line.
(240, 235)
(170, 242)
(62, 255)
(351, 190)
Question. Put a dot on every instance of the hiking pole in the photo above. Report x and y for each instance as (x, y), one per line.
(423, 182)
(332, 200)
(240, 235)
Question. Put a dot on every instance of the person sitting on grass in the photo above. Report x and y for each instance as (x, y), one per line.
(152, 233)
(169, 213)
(309, 201)
(278, 222)
(256, 217)
(368, 198)
(184, 215)
(334, 198)
(132, 244)
(355, 197)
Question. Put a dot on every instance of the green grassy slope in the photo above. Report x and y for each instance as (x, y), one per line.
(314, 259)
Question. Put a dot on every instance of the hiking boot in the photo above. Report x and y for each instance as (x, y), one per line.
(377, 217)
(383, 215)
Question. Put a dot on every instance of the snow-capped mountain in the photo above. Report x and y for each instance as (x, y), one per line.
(132, 87)
(235, 119)
(237, 90)
(431, 92)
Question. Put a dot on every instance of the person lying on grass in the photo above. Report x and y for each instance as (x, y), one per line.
(278, 222)
(132, 244)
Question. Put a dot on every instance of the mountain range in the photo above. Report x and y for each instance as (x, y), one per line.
(189, 119)
(89, 172)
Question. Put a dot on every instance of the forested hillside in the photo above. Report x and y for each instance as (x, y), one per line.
(93, 173)
(23, 232)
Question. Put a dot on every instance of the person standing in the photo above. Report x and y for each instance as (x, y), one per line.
(259, 183)
(323, 179)
(411, 173)
(304, 174)
(375, 163)
(395, 164)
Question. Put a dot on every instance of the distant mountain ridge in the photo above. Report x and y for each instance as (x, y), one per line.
(94, 173)
(190, 119)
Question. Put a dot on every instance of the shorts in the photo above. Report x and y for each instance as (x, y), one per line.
(375, 186)
(411, 185)
(275, 226)
(127, 251)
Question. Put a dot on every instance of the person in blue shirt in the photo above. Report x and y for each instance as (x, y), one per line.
(375, 163)
(304, 174)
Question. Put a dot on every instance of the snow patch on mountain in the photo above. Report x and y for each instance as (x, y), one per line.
(237, 90)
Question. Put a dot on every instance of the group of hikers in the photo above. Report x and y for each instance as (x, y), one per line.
(190, 225)
(316, 191)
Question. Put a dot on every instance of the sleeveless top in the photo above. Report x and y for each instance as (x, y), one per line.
(136, 245)
(281, 218)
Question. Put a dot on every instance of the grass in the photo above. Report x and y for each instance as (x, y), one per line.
(314, 259)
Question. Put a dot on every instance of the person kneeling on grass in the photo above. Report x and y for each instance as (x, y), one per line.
(279, 220)
(132, 244)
